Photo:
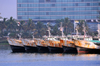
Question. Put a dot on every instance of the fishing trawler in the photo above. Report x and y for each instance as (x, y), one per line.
(67, 43)
(53, 44)
(42, 45)
(30, 45)
(16, 44)
(87, 44)
(84, 46)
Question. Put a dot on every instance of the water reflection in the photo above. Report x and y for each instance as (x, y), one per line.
(87, 55)
(47, 59)
(53, 57)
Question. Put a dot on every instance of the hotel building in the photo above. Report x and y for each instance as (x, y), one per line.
(50, 10)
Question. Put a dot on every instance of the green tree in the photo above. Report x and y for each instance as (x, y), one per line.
(28, 27)
(11, 24)
(40, 29)
(80, 24)
(67, 24)
(2, 26)
(55, 30)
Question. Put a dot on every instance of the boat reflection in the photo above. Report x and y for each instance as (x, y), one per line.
(87, 55)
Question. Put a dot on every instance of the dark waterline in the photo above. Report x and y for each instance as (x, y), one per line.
(7, 58)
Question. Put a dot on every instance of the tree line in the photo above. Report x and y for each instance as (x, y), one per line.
(39, 29)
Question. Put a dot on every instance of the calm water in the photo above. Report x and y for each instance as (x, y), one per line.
(46, 59)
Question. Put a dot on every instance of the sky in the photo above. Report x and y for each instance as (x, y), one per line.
(8, 8)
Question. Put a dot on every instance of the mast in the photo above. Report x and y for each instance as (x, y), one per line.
(8, 35)
(76, 30)
(84, 29)
(49, 30)
(61, 29)
(98, 29)
(19, 36)
(33, 36)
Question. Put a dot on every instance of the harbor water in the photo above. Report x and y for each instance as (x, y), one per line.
(7, 58)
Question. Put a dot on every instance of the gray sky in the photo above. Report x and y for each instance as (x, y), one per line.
(8, 8)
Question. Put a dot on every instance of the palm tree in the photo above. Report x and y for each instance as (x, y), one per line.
(68, 26)
(40, 29)
(11, 24)
(28, 27)
(3, 26)
(55, 30)
(81, 26)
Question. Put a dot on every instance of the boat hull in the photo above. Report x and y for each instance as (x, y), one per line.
(87, 50)
(55, 49)
(69, 49)
(42, 49)
(30, 49)
(17, 48)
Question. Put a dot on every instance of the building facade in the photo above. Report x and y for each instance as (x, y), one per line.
(58, 9)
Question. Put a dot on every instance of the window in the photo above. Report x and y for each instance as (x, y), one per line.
(64, 9)
(99, 12)
(99, 4)
(47, 13)
(53, 5)
(82, 0)
(19, 5)
(19, 17)
(88, 4)
(53, 1)
(76, 4)
(41, 1)
(47, 0)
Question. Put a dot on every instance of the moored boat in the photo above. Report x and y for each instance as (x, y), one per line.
(54, 45)
(84, 46)
(88, 45)
(16, 45)
(30, 45)
(42, 46)
(68, 45)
